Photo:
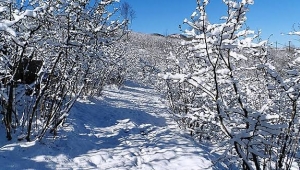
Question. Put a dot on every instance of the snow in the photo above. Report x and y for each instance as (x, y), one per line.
(297, 60)
(294, 33)
(251, 2)
(237, 56)
(3, 9)
(194, 14)
(105, 2)
(4, 27)
(127, 128)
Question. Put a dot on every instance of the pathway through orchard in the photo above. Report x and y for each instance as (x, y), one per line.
(125, 129)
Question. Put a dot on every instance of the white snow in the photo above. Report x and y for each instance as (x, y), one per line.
(294, 33)
(3, 9)
(237, 56)
(4, 27)
(125, 129)
(194, 14)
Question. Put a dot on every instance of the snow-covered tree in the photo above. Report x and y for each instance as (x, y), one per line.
(70, 43)
(225, 90)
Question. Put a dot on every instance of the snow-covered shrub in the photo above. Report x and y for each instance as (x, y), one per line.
(75, 42)
(147, 56)
(226, 90)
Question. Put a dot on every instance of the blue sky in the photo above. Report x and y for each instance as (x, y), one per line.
(273, 17)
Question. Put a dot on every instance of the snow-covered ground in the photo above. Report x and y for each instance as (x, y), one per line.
(125, 129)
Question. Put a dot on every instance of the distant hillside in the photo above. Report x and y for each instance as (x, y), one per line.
(178, 36)
(173, 36)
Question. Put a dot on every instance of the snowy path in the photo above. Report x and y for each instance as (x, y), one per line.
(126, 129)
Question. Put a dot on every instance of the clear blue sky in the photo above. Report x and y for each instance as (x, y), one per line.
(271, 16)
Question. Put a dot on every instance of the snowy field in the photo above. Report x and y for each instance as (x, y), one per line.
(125, 129)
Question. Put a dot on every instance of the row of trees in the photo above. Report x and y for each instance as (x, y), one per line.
(66, 48)
(227, 88)
(223, 84)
